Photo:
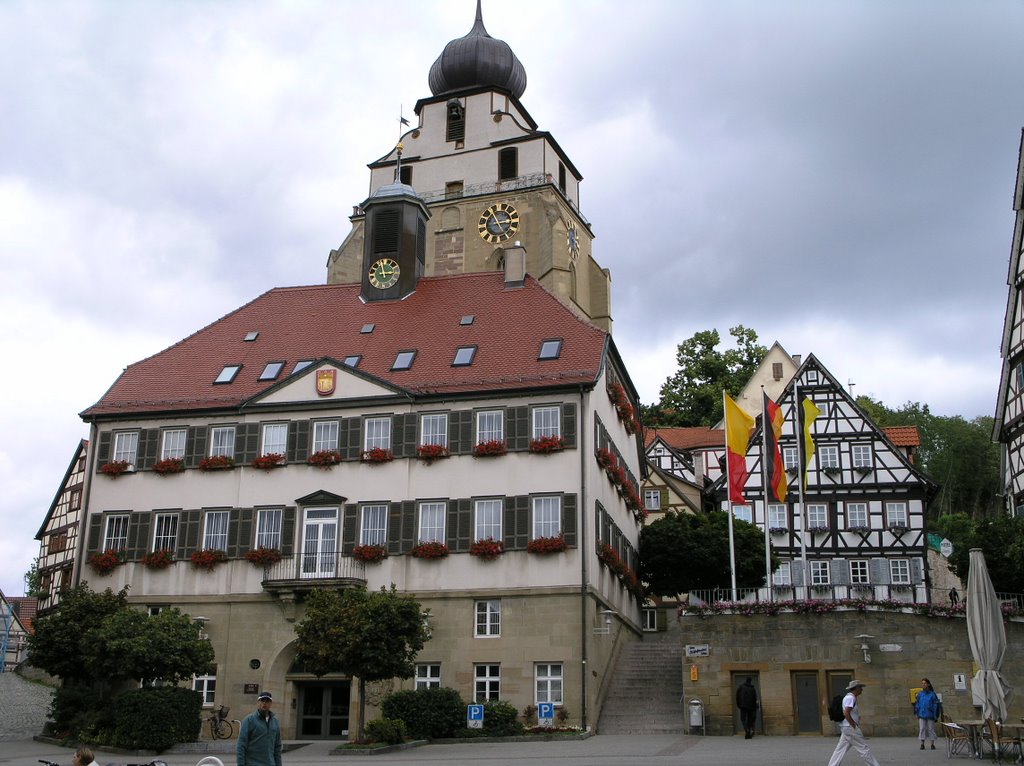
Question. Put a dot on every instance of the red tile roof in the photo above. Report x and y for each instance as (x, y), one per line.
(686, 438)
(26, 608)
(308, 323)
(903, 436)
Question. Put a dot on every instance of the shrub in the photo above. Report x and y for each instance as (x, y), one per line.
(386, 730)
(427, 713)
(155, 719)
(501, 719)
(74, 710)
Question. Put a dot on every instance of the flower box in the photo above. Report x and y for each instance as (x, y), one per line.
(898, 529)
(545, 545)
(487, 549)
(832, 470)
(605, 458)
(115, 468)
(168, 466)
(817, 530)
(158, 559)
(429, 550)
(617, 394)
(863, 470)
(268, 462)
(325, 458)
(208, 558)
(545, 445)
(217, 463)
(106, 562)
(428, 453)
(263, 557)
(377, 455)
(778, 530)
(371, 554)
(490, 449)
(859, 529)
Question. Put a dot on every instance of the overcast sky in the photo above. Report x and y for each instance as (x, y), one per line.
(837, 176)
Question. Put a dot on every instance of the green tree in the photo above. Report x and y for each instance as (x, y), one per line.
(371, 635)
(684, 551)
(693, 395)
(1001, 539)
(34, 581)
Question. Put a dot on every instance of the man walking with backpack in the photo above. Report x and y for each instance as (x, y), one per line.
(850, 733)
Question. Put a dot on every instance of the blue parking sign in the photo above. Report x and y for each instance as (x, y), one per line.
(546, 711)
(474, 716)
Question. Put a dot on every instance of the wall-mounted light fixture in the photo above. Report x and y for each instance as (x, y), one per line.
(864, 646)
(605, 629)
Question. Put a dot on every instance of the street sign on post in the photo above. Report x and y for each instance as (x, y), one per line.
(546, 714)
(474, 716)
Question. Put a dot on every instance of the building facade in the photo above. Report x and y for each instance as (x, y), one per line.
(58, 534)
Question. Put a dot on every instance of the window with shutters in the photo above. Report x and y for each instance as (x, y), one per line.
(374, 527)
(508, 163)
(652, 499)
(859, 573)
(173, 445)
(275, 439)
(115, 533)
(487, 519)
(486, 682)
(222, 441)
(857, 515)
(488, 619)
(431, 528)
(899, 571)
(268, 528)
(377, 433)
(490, 426)
(547, 421)
(777, 516)
(820, 573)
(547, 516)
(896, 514)
(549, 682)
(57, 543)
(428, 675)
(434, 429)
(777, 370)
(783, 575)
(165, 532)
(325, 435)
(215, 531)
(126, 446)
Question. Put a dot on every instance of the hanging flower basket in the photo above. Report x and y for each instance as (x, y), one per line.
(371, 554)
(617, 394)
(263, 557)
(428, 453)
(208, 558)
(168, 466)
(158, 559)
(545, 445)
(106, 562)
(268, 462)
(608, 556)
(378, 455)
(115, 468)
(490, 449)
(605, 458)
(545, 545)
(778, 530)
(619, 477)
(487, 549)
(217, 463)
(325, 458)
(429, 550)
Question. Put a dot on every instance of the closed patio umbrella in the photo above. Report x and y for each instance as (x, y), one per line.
(988, 640)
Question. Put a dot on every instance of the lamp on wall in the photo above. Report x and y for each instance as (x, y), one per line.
(202, 626)
(864, 647)
(605, 629)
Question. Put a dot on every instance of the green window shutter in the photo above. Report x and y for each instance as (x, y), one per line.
(395, 528)
(349, 527)
(298, 441)
(240, 532)
(403, 435)
(95, 534)
(350, 438)
(189, 527)
(138, 535)
(408, 539)
(288, 530)
(460, 432)
(569, 424)
(103, 451)
(460, 525)
(661, 620)
(195, 445)
(517, 522)
(569, 519)
(149, 446)
(664, 498)
(517, 428)
(247, 442)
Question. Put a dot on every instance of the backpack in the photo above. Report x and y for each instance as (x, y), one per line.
(835, 708)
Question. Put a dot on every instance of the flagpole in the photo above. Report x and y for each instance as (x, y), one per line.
(801, 460)
(728, 495)
(764, 498)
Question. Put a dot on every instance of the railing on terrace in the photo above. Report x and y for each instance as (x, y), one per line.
(907, 593)
(315, 568)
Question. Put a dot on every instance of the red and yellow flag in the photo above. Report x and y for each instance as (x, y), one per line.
(738, 428)
(775, 469)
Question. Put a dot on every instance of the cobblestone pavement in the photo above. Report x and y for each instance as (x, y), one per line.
(23, 707)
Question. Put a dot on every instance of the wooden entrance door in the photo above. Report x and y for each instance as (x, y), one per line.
(807, 699)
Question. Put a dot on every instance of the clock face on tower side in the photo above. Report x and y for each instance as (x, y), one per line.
(384, 273)
(572, 240)
(498, 222)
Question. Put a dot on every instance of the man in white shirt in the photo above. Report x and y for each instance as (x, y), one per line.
(850, 733)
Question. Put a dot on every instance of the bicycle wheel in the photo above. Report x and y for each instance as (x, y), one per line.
(227, 730)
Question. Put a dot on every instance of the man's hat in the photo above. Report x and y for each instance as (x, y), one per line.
(854, 684)
(265, 696)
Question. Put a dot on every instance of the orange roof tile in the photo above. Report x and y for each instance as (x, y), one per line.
(686, 438)
(903, 436)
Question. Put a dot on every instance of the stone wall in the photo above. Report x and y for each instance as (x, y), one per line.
(790, 650)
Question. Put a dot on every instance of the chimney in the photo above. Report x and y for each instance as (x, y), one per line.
(515, 265)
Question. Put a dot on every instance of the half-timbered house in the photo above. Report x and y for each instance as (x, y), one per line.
(58, 534)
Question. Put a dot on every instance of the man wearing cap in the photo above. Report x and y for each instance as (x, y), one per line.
(850, 734)
(259, 740)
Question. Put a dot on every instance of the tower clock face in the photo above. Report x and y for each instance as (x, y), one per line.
(384, 273)
(572, 240)
(498, 222)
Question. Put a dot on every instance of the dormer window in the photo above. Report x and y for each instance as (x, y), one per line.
(403, 361)
(551, 349)
(271, 371)
(227, 375)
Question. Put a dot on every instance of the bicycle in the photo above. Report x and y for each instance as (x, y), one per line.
(220, 726)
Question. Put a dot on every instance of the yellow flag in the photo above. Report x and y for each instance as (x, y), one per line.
(738, 428)
(811, 413)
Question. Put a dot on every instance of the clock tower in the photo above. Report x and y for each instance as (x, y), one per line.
(486, 179)
(395, 220)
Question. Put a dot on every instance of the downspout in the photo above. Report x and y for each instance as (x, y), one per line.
(584, 548)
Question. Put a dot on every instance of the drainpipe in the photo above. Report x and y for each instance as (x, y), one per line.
(582, 514)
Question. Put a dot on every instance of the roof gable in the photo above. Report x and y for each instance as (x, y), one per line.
(328, 380)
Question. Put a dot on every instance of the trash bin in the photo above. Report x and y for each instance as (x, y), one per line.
(696, 715)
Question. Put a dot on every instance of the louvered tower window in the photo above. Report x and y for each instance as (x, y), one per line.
(508, 164)
(385, 231)
(456, 122)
